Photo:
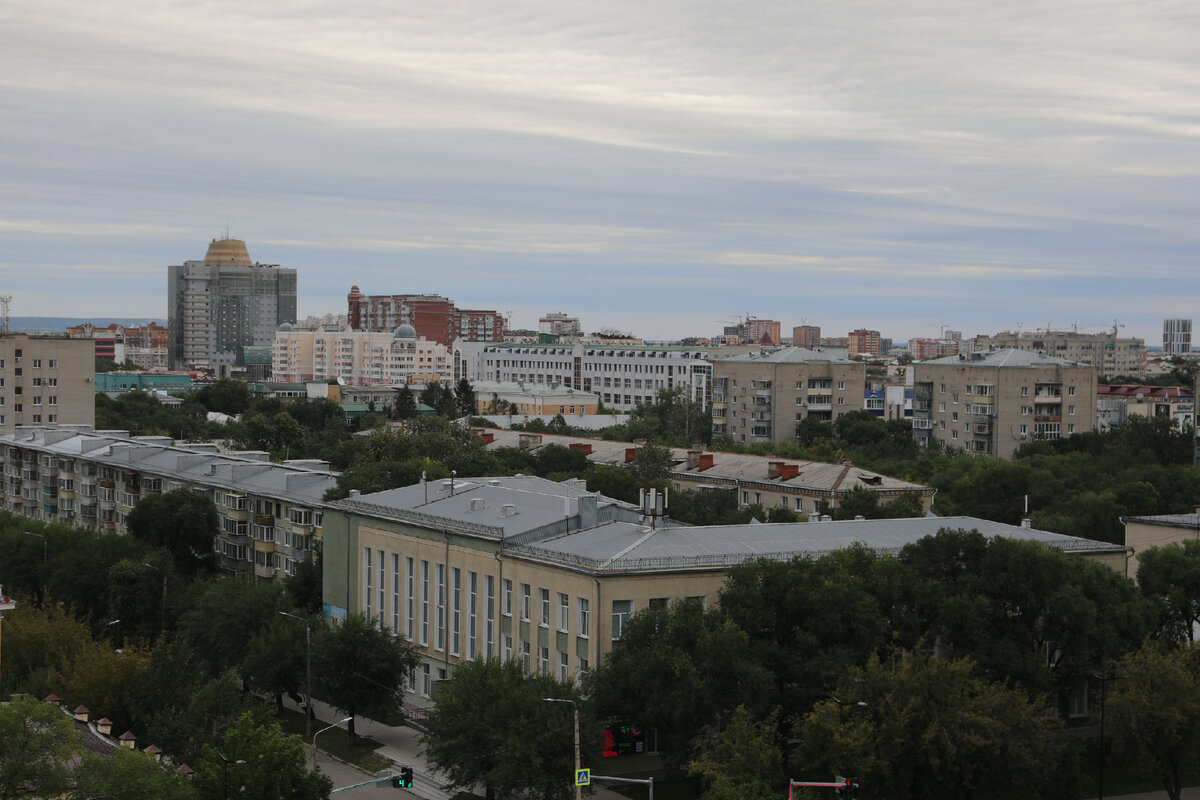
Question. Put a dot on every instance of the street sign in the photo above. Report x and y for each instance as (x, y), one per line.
(583, 777)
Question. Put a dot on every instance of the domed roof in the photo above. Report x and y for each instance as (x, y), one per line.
(287, 326)
(228, 251)
(405, 332)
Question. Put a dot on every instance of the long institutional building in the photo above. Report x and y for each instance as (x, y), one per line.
(270, 514)
(359, 357)
(993, 402)
(622, 375)
(221, 305)
(549, 574)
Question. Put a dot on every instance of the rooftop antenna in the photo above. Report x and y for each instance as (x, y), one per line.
(4, 301)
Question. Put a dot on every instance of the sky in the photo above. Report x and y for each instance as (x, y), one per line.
(660, 167)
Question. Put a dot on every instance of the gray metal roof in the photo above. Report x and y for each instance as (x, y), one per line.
(1169, 520)
(792, 355)
(1003, 358)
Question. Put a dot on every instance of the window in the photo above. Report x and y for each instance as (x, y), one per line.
(563, 667)
(49, 381)
(52, 400)
(410, 597)
(455, 610)
(584, 616)
(1070, 411)
(564, 611)
(526, 660)
(424, 602)
(472, 612)
(544, 660)
(622, 610)
(1024, 391)
(581, 669)
(440, 607)
(426, 680)
(544, 607)
(54, 363)
(1070, 391)
(508, 648)
(659, 602)
(489, 619)
(37, 363)
(366, 579)
(525, 602)
(507, 597)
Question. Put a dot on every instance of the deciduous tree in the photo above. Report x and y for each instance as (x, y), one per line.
(256, 760)
(36, 740)
(182, 522)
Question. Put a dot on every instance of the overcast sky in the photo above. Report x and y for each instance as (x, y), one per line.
(657, 166)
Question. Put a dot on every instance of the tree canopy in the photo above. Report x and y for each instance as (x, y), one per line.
(182, 522)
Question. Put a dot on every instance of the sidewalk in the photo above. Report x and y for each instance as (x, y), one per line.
(403, 745)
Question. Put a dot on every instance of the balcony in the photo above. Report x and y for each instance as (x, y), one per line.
(1048, 418)
(922, 424)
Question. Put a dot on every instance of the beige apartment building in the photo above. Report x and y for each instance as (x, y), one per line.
(993, 402)
(359, 357)
(760, 397)
(46, 380)
(1108, 353)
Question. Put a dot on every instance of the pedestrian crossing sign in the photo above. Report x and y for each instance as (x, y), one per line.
(583, 777)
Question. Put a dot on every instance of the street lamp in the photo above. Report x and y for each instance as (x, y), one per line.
(45, 548)
(163, 615)
(575, 708)
(225, 762)
(313, 745)
(1104, 679)
(307, 674)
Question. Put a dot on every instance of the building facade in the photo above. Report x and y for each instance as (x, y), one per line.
(992, 403)
(1177, 336)
(1106, 352)
(761, 397)
(533, 399)
(433, 317)
(359, 358)
(806, 336)
(46, 380)
(1118, 403)
(224, 303)
(863, 342)
(559, 324)
(270, 514)
(621, 375)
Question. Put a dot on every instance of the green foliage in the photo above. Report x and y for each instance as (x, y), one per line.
(246, 609)
(491, 727)
(182, 522)
(303, 586)
(256, 760)
(1155, 711)
(129, 775)
(143, 415)
(1170, 577)
(226, 396)
(678, 669)
(434, 438)
(441, 399)
(36, 741)
(859, 501)
(359, 667)
(39, 639)
(672, 419)
(931, 727)
(464, 397)
(741, 761)
(652, 465)
(405, 406)
(378, 476)
(104, 680)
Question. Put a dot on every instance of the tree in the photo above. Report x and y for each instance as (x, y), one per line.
(244, 610)
(440, 398)
(1155, 711)
(464, 397)
(36, 741)
(405, 406)
(914, 726)
(303, 586)
(275, 658)
(378, 476)
(490, 726)
(740, 761)
(128, 775)
(1170, 576)
(227, 396)
(360, 667)
(261, 763)
(182, 522)
(652, 465)
(104, 680)
(678, 669)
(40, 639)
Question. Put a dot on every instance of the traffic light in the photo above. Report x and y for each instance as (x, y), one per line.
(404, 780)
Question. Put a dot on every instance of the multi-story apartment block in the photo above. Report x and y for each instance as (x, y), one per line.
(144, 345)
(993, 402)
(556, 323)
(924, 349)
(270, 514)
(549, 574)
(623, 375)
(1177, 336)
(1119, 403)
(1106, 352)
(760, 397)
(806, 336)
(863, 342)
(223, 304)
(433, 317)
(766, 332)
(359, 358)
(46, 380)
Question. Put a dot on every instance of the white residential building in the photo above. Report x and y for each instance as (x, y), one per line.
(359, 358)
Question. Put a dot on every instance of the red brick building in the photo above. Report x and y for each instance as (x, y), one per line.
(434, 317)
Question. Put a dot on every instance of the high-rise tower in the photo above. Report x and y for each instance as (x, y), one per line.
(223, 304)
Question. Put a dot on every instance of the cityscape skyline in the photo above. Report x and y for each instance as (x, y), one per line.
(658, 169)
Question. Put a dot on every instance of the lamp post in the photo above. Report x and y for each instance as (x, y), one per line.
(45, 548)
(313, 745)
(1104, 679)
(225, 762)
(163, 615)
(575, 708)
(307, 673)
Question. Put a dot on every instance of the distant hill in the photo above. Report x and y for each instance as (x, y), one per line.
(60, 324)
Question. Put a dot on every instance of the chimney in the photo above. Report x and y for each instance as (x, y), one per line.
(477, 504)
(694, 458)
(582, 447)
(128, 740)
(508, 510)
(154, 751)
(104, 726)
(528, 441)
(1026, 522)
(630, 454)
(52, 698)
(488, 438)
(706, 462)
(773, 469)
(81, 714)
(788, 471)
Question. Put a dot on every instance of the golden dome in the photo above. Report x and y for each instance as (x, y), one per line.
(228, 251)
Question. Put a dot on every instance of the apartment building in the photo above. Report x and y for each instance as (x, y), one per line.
(1177, 336)
(46, 380)
(144, 345)
(359, 357)
(993, 402)
(270, 514)
(1118, 403)
(549, 574)
(557, 323)
(863, 342)
(806, 336)
(760, 397)
(533, 399)
(622, 375)
(1108, 353)
(769, 481)
(434, 317)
